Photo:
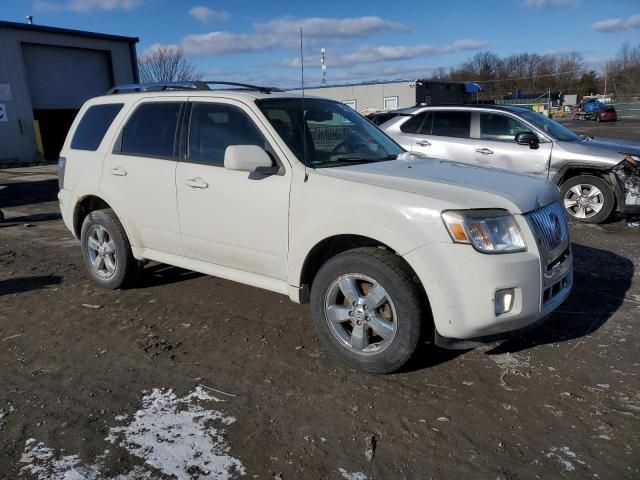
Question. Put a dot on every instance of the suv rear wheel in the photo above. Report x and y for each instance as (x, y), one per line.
(588, 198)
(366, 308)
(106, 250)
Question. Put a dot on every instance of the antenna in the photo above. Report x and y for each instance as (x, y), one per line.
(304, 131)
(30, 19)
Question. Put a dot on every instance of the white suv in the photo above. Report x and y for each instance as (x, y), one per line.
(303, 196)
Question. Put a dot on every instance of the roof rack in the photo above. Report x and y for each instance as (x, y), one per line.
(186, 85)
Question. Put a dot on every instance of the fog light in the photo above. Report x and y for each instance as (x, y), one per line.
(504, 300)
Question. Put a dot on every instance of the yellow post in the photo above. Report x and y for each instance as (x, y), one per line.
(36, 131)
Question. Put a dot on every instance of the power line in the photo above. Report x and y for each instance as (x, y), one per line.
(525, 78)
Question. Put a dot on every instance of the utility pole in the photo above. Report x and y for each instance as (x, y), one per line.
(323, 63)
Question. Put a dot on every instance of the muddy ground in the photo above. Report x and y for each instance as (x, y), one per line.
(255, 393)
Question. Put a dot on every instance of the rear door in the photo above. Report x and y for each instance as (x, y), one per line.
(495, 145)
(138, 177)
(445, 134)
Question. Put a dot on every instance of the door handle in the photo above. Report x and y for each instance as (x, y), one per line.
(423, 143)
(118, 172)
(196, 183)
(484, 151)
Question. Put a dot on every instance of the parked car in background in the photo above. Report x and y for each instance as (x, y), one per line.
(596, 177)
(606, 113)
(305, 197)
(601, 112)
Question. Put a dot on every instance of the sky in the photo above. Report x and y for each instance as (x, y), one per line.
(258, 41)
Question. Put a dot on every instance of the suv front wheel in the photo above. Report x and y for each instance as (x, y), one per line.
(367, 309)
(106, 250)
(587, 198)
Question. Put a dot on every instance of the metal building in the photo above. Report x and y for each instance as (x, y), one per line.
(382, 96)
(46, 73)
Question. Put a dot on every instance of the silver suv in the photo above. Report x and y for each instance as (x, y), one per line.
(595, 177)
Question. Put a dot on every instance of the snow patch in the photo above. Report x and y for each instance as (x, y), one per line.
(353, 475)
(179, 436)
(565, 456)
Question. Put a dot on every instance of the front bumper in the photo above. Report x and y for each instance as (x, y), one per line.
(461, 285)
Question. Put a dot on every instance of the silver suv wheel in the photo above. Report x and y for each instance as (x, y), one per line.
(584, 201)
(360, 314)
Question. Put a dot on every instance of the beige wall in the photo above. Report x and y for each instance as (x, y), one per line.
(369, 96)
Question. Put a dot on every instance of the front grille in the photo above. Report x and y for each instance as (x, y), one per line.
(549, 225)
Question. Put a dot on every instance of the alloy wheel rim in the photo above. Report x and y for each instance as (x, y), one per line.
(102, 251)
(583, 201)
(360, 314)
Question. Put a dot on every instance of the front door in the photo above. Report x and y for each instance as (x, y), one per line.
(496, 146)
(138, 177)
(231, 218)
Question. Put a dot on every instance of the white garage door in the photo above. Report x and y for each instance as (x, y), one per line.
(61, 77)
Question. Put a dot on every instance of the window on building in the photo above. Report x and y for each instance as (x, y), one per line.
(351, 103)
(214, 127)
(151, 130)
(93, 126)
(390, 103)
(451, 123)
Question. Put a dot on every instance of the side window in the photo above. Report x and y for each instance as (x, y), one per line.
(415, 124)
(151, 130)
(214, 127)
(93, 125)
(451, 123)
(501, 128)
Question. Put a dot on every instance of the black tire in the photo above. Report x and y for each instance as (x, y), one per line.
(392, 274)
(608, 197)
(126, 266)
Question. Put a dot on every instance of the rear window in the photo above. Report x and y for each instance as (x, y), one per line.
(452, 124)
(151, 130)
(93, 125)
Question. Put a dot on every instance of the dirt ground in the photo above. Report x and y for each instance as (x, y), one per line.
(85, 375)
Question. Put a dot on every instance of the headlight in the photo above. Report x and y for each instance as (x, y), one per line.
(632, 159)
(489, 231)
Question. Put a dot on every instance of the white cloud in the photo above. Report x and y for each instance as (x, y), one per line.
(618, 24)
(369, 54)
(550, 3)
(83, 6)
(206, 15)
(284, 32)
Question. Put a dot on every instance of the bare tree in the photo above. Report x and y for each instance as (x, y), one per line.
(166, 63)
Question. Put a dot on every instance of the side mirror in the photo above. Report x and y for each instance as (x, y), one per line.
(249, 158)
(528, 138)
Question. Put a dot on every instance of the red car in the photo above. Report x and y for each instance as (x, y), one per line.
(606, 113)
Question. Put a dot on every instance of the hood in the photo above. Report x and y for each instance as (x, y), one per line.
(601, 151)
(613, 144)
(457, 185)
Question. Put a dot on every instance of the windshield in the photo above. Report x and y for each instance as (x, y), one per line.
(551, 127)
(333, 135)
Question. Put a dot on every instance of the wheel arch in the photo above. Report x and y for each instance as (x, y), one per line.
(331, 246)
(89, 203)
(575, 170)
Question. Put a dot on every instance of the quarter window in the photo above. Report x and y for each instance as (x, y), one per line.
(151, 130)
(451, 123)
(501, 128)
(214, 127)
(93, 126)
